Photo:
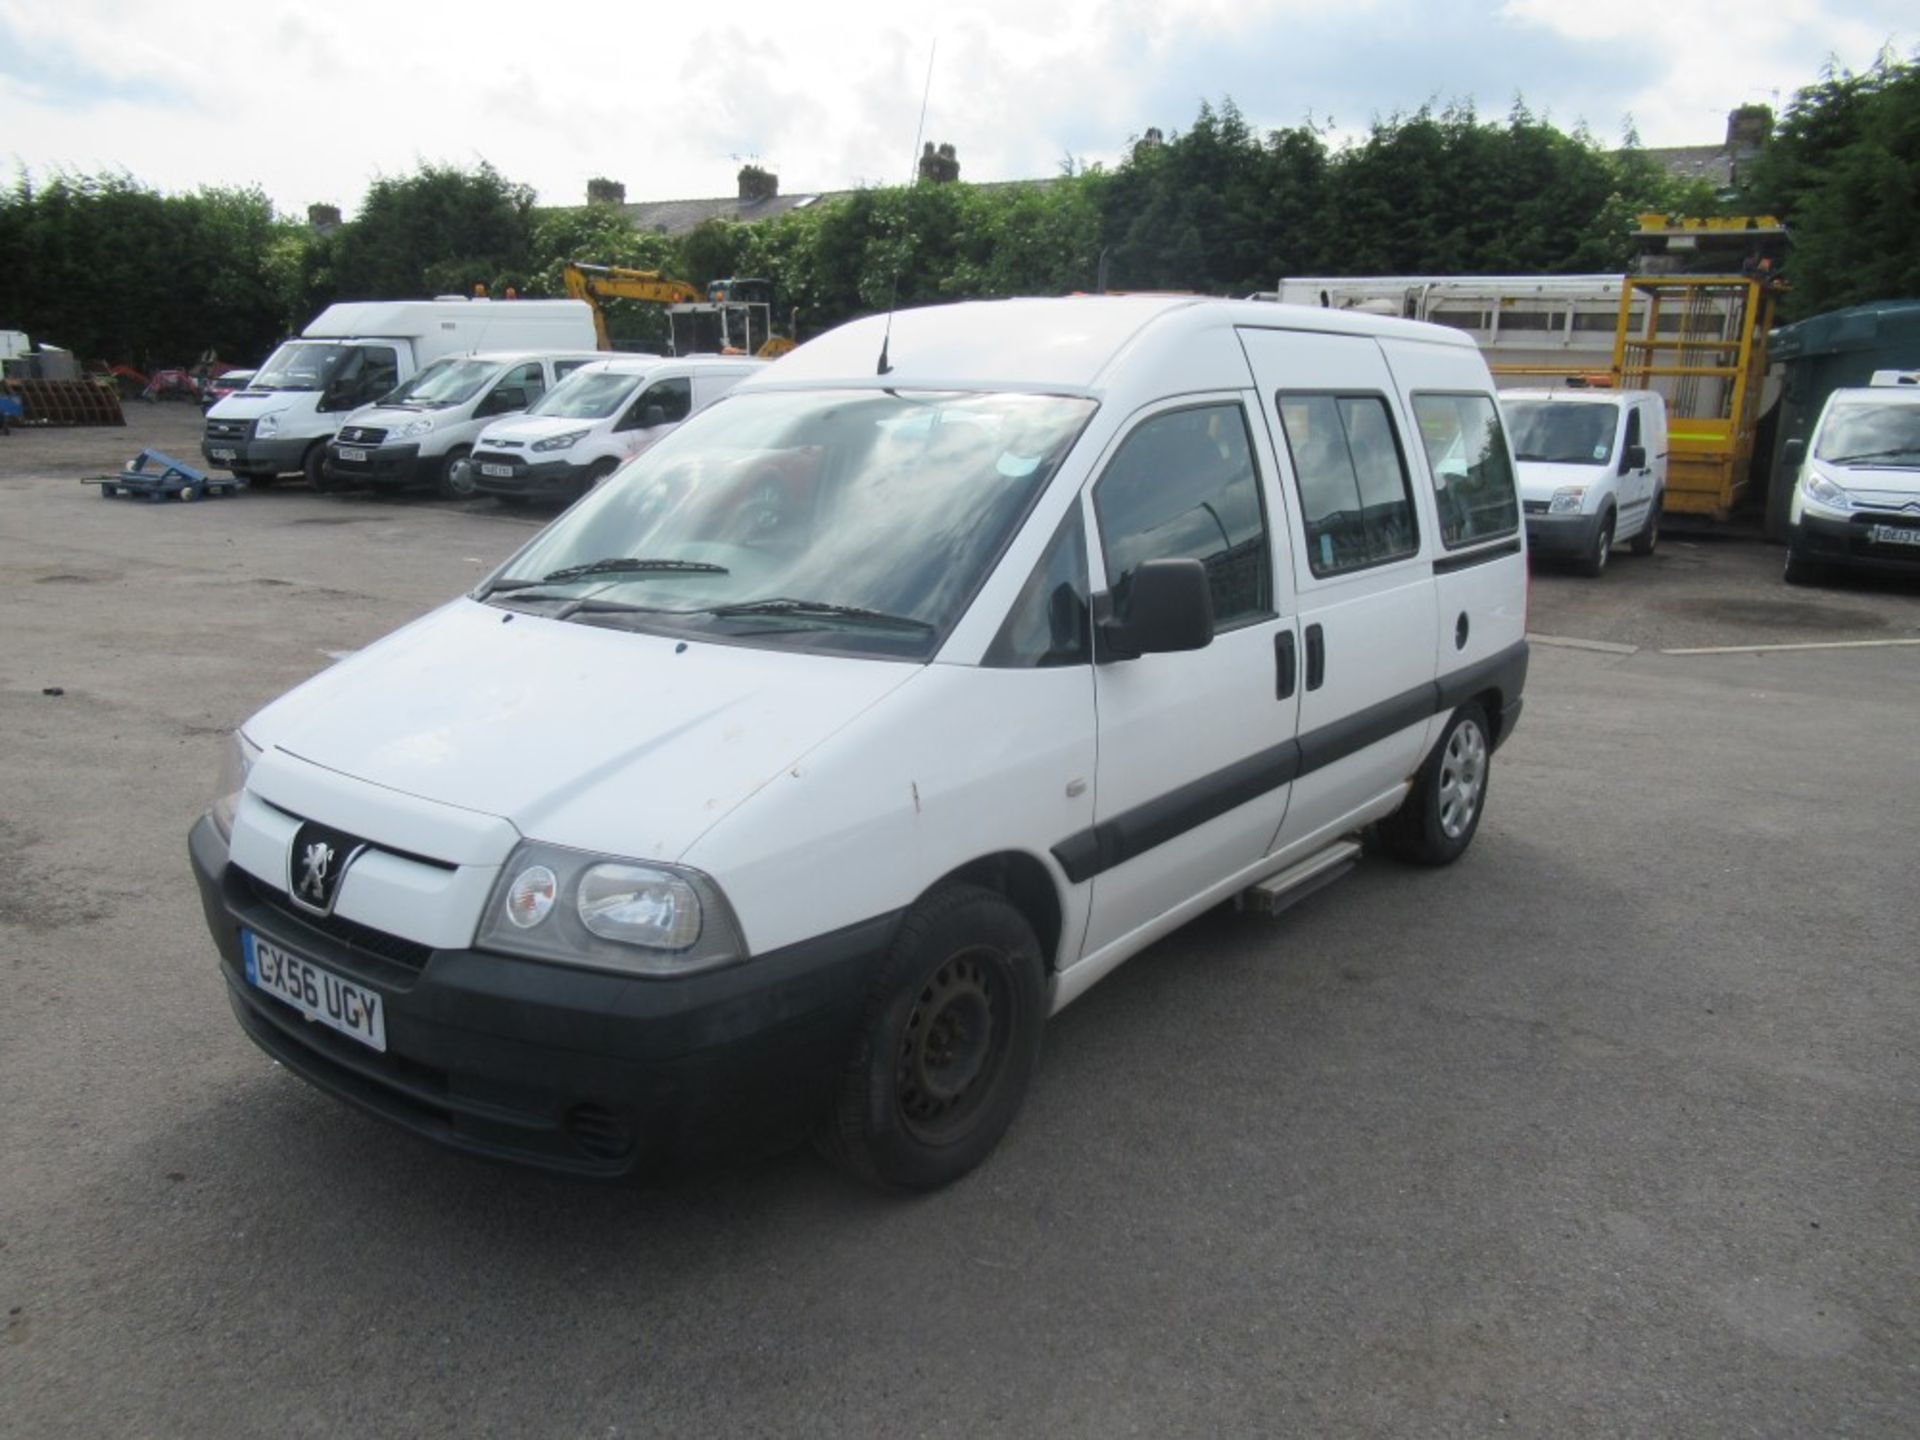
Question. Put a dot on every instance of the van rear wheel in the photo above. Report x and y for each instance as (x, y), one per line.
(1649, 535)
(1438, 819)
(948, 1045)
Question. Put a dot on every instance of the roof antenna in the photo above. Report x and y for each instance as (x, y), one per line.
(893, 298)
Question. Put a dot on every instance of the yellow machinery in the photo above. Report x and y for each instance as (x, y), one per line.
(734, 317)
(1701, 341)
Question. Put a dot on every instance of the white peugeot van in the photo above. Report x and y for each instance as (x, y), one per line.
(419, 434)
(1856, 502)
(1593, 470)
(605, 414)
(788, 782)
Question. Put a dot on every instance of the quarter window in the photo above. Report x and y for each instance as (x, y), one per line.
(1183, 486)
(1472, 474)
(1352, 480)
(1049, 624)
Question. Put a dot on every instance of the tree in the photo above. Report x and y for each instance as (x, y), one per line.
(439, 230)
(1844, 171)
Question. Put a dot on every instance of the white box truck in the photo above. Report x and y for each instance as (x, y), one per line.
(353, 354)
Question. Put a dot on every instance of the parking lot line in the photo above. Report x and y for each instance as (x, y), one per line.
(1798, 645)
(1566, 642)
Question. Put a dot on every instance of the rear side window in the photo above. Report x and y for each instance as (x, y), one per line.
(564, 368)
(1182, 486)
(1352, 480)
(1472, 475)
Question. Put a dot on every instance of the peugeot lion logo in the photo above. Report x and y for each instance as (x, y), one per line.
(317, 862)
(314, 865)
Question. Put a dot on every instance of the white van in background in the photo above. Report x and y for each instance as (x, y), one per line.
(418, 434)
(604, 415)
(351, 355)
(1856, 499)
(1593, 470)
(792, 779)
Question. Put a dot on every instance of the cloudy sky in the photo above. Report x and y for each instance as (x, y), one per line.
(311, 101)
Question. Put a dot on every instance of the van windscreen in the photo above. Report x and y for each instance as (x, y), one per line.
(1558, 432)
(857, 521)
(587, 395)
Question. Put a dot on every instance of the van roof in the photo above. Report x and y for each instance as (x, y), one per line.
(1580, 396)
(389, 318)
(1876, 395)
(1072, 343)
(516, 357)
(617, 364)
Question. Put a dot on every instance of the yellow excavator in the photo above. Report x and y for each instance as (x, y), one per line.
(733, 317)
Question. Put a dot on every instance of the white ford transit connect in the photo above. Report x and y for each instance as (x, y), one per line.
(606, 413)
(790, 781)
(1593, 470)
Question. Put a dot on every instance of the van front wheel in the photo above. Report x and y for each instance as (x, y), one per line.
(1436, 822)
(948, 1045)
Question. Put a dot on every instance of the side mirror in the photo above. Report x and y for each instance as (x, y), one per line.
(653, 415)
(1169, 607)
(1795, 451)
(1634, 457)
(504, 401)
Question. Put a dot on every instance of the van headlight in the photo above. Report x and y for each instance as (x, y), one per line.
(608, 913)
(1821, 491)
(267, 426)
(235, 766)
(1567, 500)
(559, 442)
(411, 429)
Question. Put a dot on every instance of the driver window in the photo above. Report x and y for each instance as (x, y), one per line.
(518, 389)
(674, 397)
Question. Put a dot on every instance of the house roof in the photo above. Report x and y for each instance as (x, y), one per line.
(1711, 163)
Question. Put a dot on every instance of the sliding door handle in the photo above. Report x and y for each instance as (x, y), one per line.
(1316, 657)
(1284, 665)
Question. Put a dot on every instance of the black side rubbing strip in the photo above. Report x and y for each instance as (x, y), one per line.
(1165, 817)
(1447, 564)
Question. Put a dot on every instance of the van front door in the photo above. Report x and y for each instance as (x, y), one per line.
(1195, 747)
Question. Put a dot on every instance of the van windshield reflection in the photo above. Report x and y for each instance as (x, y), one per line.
(857, 521)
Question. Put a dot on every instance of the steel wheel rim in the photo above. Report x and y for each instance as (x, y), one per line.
(1463, 776)
(1605, 548)
(953, 1046)
(460, 476)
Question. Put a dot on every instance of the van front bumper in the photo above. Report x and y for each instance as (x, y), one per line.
(581, 1071)
(249, 456)
(1852, 542)
(527, 479)
(385, 465)
(1562, 537)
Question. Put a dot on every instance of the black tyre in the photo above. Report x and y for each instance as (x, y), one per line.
(1799, 570)
(314, 467)
(1595, 560)
(600, 471)
(454, 479)
(948, 1045)
(1442, 811)
(1649, 536)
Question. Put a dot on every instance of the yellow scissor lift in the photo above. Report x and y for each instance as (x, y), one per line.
(1701, 341)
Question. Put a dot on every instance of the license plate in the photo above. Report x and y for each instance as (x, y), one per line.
(223, 454)
(504, 472)
(1893, 535)
(347, 452)
(319, 994)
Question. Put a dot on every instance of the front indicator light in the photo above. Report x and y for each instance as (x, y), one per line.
(531, 896)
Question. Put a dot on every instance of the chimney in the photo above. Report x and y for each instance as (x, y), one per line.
(758, 184)
(323, 217)
(1748, 128)
(601, 191)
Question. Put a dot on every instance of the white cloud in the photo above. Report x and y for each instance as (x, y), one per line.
(313, 101)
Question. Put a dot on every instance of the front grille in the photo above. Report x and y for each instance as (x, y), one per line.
(408, 954)
(361, 435)
(1897, 519)
(1535, 507)
(229, 429)
(509, 444)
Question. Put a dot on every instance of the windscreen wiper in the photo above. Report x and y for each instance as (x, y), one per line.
(784, 606)
(1875, 455)
(612, 565)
